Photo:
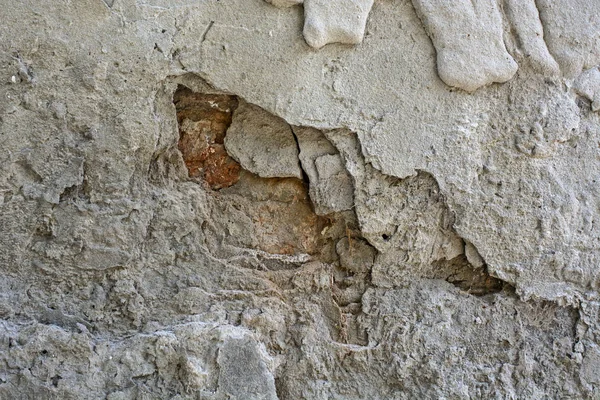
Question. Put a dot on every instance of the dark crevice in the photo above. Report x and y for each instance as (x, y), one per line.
(205, 33)
(304, 174)
(475, 281)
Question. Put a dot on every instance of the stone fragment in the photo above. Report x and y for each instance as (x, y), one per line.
(243, 372)
(525, 19)
(194, 376)
(590, 366)
(272, 215)
(262, 143)
(473, 255)
(334, 190)
(335, 21)
(331, 187)
(355, 255)
(588, 85)
(467, 36)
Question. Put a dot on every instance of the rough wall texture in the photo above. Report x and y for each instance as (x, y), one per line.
(340, 199)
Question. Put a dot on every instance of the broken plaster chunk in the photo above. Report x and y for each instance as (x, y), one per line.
(335, 21)
(244, 372)
(333, 190)
(330, 185)
(284, 3)
(262, 143)
(467, 36)
(473, 256)
(525, 19)
(588, 85)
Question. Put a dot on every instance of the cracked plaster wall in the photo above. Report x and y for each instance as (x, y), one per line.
(331, 200)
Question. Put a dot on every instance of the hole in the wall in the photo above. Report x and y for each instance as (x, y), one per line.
(271, 215)
(278, 212)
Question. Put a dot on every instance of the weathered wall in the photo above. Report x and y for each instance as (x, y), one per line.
(340, 199)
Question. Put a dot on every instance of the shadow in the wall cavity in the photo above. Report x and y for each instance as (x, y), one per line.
(475, 281)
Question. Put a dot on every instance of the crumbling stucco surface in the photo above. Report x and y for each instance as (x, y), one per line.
(344, 199)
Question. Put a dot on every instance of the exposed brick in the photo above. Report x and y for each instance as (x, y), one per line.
(203, 121)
